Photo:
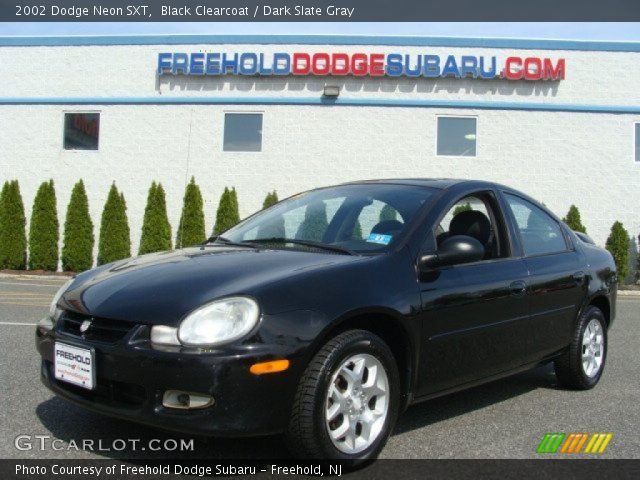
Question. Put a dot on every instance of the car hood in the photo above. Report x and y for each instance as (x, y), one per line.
(161, 288)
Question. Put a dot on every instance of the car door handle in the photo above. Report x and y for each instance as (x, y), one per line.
(518, 288)
(579, 277)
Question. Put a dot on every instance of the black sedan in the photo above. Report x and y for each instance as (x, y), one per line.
(326, 315)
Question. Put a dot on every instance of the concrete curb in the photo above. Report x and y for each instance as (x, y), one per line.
(629, 293)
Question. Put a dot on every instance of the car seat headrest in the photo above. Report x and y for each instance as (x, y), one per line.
(472, 223)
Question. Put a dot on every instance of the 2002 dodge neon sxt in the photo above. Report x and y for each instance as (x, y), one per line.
(327, 314)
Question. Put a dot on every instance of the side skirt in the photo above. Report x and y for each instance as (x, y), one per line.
(489, 379)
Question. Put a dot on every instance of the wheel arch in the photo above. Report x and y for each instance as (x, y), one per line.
(389, 326)
(602, 302)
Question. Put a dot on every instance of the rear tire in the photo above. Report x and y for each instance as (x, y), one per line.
(581, 366)
(347, 401)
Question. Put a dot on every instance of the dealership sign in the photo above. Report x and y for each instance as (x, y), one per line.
(360, 64)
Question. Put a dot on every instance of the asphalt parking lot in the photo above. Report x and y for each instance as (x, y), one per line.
(504, 419)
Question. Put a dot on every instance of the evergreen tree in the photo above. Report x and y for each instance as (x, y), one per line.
(115, 242)
(235, 212)
(3, 193)
(156, 231)
(13, 240)
(191, 227)
(388, 213)
(462, 208)
(222, 212)
(618, 245)
(227, 215)
(43, 230)
(271, 199)
(638, 262)
(275, 228)
(315, 222)
(357, 231)
(77, 248)
(573, 220)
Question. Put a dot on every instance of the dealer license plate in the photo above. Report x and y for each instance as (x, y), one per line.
(74, 365)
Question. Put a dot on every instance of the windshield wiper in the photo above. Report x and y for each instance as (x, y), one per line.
(306, 243)
(219, 240)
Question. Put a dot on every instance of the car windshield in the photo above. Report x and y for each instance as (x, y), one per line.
(359, 218)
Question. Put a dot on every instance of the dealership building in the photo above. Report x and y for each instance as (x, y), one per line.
(558, 119)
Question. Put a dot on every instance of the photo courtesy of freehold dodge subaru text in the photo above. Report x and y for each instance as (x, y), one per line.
(319, 239)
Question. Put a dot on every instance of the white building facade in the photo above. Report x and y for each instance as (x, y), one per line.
(559, 120)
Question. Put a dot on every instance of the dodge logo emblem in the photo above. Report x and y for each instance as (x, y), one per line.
(84, 326)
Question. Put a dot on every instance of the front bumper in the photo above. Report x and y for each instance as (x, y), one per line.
(132, 376)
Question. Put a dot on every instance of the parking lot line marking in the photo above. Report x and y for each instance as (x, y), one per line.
(32, 284)
(25, 304)
(30, 294)
(22, 299)
(7, 296)
(18, 301)
(18, 323)
(25, 292)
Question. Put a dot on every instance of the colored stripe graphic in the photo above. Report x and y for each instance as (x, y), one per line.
(573, 443)
(598, 443)
(550, 442)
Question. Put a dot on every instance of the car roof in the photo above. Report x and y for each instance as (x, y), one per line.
(441, 183)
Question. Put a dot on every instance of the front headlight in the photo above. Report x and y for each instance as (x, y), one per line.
(54, 311)
(218, 322)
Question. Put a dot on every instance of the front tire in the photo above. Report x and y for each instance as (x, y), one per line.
(347, 401)
(581, 366)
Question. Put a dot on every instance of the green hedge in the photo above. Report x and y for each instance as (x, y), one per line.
(156, 231)
(618, 244)
(13, 240)
(276, 228)
(315, 222)
(270, 199)
(191, 226)
(357, 231)
(227, 215)
(114, 238)
(43, 230)
(388, 213)
(77, 249)
(573, 220)
(462, 208)
(115, 242)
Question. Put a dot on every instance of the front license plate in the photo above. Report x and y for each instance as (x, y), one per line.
(74, 365)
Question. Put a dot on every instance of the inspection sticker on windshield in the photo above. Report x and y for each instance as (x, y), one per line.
(379, 238)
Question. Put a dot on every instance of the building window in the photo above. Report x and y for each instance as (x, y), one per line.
(457, 136)
(81, 131)
(637, 135)
(242, 132)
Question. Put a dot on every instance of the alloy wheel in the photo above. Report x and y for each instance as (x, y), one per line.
(357, 403)
(592, 348)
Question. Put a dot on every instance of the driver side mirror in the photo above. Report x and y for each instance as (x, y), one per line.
(454, 250)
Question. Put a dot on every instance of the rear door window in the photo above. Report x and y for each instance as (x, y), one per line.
(539, 232)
